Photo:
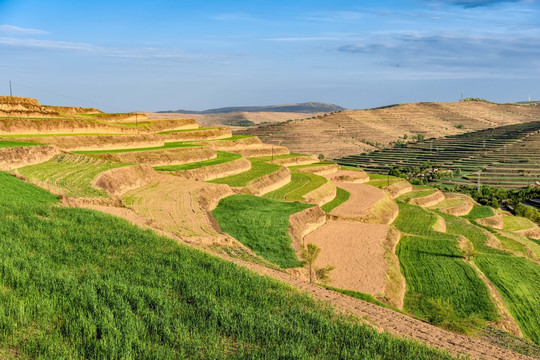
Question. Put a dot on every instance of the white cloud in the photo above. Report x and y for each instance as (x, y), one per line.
(307, 38)
(134, 53)
(16, 30)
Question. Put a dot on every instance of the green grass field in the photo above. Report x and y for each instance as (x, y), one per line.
(441, 287)
(301, 183)
(414, 220)
(342, 195)
(222, 157)
(259, 168)
(70, 174)
(434, 270)
(79, 284)
(168, 145)
(516, 278)
(260, 224)
(305, 166)
(479, 212)
(5, 144)
(522, 297)
(516, 223)
(414, 194)
(378, 180)
(459, 226)
(448, 203)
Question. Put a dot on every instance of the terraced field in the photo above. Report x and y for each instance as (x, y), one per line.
(453, 266)
(301, 184)
(522, 297)
(436, 274)
(168, 145)
(222, 157)
(506, 156)
(260, 224)
(259, 168)
(4, 144)
(70, 174)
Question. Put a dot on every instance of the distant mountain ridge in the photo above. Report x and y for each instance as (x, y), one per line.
(307, 107)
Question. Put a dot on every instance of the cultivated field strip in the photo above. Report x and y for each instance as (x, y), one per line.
(301, 184)
(507, 156)
(72, 175)
(522, 297)
(178, 206)
(435, 271)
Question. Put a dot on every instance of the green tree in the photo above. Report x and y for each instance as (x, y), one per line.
(310, 255)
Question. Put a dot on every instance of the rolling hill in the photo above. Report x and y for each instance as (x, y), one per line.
(307, 107)
(352, 132)
(212, 209)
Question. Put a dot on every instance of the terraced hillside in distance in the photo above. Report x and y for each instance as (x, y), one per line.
(212, 209)
(352, 132)
(506, 156)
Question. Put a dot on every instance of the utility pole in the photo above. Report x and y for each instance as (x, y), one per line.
(461, 94)
(10, 91)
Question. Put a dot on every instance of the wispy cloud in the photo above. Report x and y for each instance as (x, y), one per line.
(16, 30)
(453, 52)
(480, 3)
(304, 38)
(80, 47)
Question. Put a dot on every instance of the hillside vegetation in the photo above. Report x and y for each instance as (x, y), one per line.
(77, 283)
(80, 284)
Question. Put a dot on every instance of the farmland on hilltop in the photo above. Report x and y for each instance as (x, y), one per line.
(161, 238)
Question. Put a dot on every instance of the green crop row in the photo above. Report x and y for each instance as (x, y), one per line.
(516, 223)
(479, 212)
(414, 194)
(5, 144)
(301, 184)
(414, 220)
(435, 271)
(342, 195)
(168, 145)
(222, 157)
(260, 224)
(259, 168)
(441, 287)
(79, 284)
(518, 281)
(70, 174)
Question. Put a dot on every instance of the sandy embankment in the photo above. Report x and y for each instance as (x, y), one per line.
(348, 176)
(398, 188)
(429, 200)
(14, 157)
(162, 157)
(366, 204)
(215, 171)
(268, 183)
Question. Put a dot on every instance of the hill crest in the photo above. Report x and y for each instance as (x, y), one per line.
(307, 107)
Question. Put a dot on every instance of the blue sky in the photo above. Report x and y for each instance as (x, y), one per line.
(160, 55)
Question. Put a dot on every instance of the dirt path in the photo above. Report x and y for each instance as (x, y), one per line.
(362, 198)
(357, 252)
(395, 323)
